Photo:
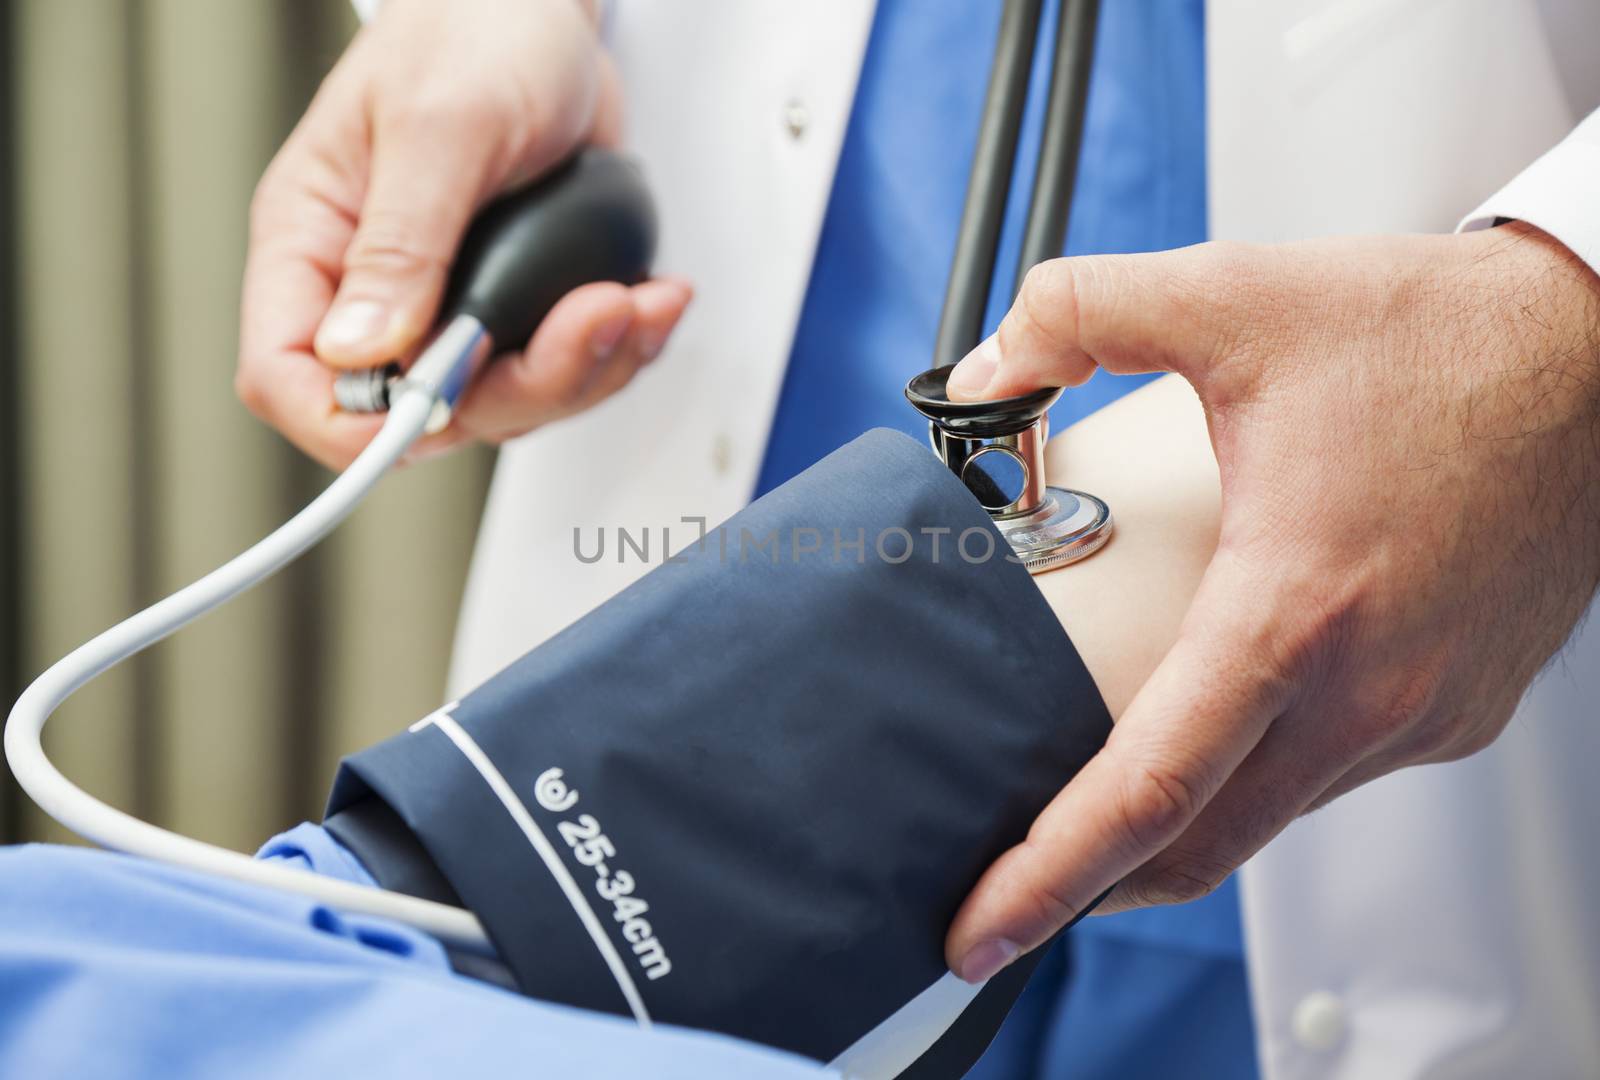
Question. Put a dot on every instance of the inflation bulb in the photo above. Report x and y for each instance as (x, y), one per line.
(592, 219)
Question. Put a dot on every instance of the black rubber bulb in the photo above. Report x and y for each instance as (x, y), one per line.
(592, 219)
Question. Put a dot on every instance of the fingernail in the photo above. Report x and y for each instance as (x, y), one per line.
(976, 370)
(609, 335)
(985, 959)
(352, 324)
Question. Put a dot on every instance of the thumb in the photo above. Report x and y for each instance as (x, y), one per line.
(422, 190)
(1165, 311)
(1196, 719)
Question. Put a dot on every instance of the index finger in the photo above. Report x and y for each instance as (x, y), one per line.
(290, 276)
(1195, 720)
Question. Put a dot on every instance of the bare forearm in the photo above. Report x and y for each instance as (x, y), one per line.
(1149, 456)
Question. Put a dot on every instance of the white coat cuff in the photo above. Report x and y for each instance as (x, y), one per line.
(1559, 193)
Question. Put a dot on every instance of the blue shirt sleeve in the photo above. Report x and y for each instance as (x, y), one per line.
(112, 966)
(311, 847)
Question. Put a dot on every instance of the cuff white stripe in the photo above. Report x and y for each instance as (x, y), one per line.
(547, 852)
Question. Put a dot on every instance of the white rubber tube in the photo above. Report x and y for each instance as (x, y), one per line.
(111, 828)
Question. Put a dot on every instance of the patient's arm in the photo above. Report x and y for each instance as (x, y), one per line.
(1149, 456)
(765, 780)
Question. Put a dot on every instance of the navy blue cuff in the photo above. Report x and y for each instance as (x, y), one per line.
(783, 761)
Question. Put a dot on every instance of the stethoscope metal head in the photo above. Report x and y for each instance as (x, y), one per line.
(996, 448)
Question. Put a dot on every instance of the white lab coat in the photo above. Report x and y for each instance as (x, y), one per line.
(1444, 921)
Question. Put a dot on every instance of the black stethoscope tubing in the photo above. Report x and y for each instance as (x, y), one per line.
(972, 267)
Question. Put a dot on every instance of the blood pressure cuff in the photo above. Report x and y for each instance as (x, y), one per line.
(749, 793)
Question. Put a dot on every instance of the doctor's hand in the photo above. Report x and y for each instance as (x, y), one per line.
(434, 110)
(1408, 435)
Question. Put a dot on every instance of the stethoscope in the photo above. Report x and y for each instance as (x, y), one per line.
(997, 447)
(593, 220)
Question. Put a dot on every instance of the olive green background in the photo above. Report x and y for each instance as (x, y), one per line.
(133, 133)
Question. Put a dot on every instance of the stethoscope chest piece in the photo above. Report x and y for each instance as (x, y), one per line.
(996, 448)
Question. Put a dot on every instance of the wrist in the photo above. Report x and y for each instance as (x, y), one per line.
(1552, 295)
(1547, 378)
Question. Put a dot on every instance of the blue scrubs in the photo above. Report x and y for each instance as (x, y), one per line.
(116, 967)
(1159, 992)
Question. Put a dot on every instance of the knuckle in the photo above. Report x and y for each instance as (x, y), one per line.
(1046, 311)
(391, 245)
(300, 190)
(1441, 742)
(1404, 705)
(1051, 283)
(1178, 880)
(1044, 893)
(1155, 802)
(1433, 743)
(264, 215)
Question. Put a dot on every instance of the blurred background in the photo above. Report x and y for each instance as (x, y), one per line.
(132, 134)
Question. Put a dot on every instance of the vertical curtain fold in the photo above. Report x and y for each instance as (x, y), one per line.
(72, 158)
(12, 618)
(137, 132)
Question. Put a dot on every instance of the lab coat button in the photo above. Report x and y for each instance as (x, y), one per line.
(721, 454)
(1319, 1021)
(796, 118)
